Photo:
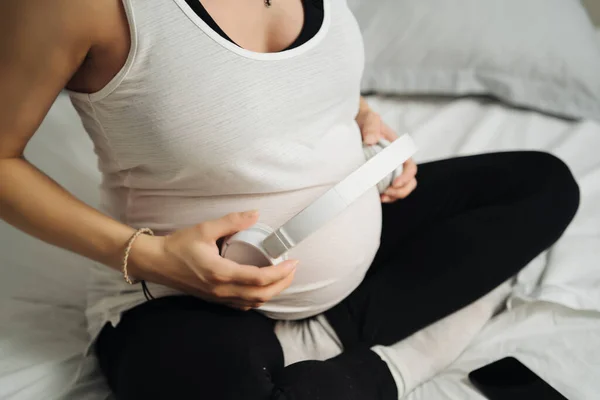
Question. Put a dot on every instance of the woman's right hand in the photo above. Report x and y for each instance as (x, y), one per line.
(189, 260)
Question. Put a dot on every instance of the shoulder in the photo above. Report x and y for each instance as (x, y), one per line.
(77, 22)
(42, 45)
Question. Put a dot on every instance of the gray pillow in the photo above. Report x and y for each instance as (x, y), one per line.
(539, 54)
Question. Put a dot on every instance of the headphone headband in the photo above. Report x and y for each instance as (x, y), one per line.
(336, 199)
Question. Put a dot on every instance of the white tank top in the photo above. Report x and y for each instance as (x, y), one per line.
(194, 127)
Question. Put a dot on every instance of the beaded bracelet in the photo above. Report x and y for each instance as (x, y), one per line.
(137, 233)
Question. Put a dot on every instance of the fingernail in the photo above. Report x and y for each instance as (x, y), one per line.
(294, 264)
(385, 199)
(250, 214)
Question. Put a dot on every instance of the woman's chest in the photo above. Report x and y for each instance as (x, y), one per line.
(189, 97)
(265, 26)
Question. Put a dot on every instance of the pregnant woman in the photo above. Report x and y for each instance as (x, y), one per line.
(203, 110)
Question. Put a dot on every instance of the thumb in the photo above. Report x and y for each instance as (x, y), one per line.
(228, 224)
(371, 129)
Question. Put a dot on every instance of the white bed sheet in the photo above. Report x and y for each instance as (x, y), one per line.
(553, 324)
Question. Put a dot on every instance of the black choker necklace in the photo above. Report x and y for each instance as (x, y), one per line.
(268, 3)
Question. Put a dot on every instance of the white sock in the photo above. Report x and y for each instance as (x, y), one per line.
(311, 339)
(423, 355)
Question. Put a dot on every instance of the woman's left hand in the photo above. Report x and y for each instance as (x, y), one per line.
(373, 129)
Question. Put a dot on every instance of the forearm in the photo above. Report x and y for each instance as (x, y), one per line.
(29, 32)
(35, 204)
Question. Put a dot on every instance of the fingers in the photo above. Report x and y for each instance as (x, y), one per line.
(371, 128)
(387, 199)
(401, 192)
(258, 296)
(402, 185)
(227, 225)
(408, 173)
(229, 272)
(250, 297)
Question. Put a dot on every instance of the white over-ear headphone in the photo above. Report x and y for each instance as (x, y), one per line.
(260, 245)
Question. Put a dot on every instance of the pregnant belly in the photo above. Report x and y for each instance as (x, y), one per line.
(333, 261)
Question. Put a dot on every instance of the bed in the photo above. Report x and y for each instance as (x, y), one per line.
(552, 321)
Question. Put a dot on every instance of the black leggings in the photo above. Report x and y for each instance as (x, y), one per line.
(471, 224)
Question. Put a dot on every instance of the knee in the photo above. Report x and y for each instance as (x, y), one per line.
(223, 372)
(236, 374)
(558, 182)
(243, 368)
(354, 375)
(203, 353)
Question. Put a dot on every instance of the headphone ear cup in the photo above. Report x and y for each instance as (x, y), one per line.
(246, 247)
(370, 152)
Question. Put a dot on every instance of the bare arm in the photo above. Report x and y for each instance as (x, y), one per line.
(42, 44)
